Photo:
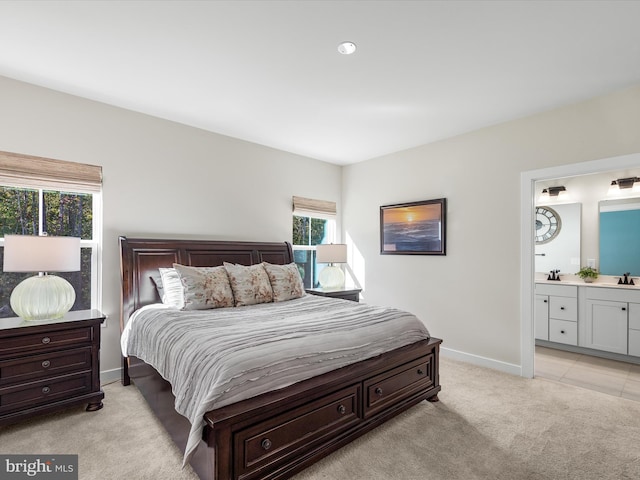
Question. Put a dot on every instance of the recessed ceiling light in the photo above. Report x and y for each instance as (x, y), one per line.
(347, 48)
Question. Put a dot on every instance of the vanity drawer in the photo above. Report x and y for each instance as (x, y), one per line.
(400, 382)
(45, 365)
(563, 331)
(292, 432)
(45, 341)
(44, 391)
(563, 308)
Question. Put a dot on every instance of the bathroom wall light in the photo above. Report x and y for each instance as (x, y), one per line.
(620, 184)
(555, 193)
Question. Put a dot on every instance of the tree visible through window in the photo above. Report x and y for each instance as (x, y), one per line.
(26, 211)
(307, 233)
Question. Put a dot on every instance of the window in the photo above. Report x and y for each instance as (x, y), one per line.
(34, 204)
(313, 224)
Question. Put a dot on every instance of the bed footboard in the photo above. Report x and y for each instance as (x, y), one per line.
(275, 435)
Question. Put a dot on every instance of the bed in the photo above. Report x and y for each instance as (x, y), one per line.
(275, 434)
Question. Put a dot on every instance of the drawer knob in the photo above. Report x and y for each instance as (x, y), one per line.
(561, 308)
(420, 371)
(46, 340)
(624, 308)
(46, 390)
(266, 444)
(342, 409)
(46, 364)
(561, 331)
(545, 301)
(378, 391)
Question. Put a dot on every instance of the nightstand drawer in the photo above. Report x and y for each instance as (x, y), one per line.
(45, 365)
(44, 391)
(44, 341)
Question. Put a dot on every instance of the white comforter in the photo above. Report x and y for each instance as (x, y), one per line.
(217, 357)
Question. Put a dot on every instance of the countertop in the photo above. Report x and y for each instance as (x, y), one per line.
(601, 282)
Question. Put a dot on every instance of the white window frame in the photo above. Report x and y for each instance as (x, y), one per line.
(96, 234)
(330, 236)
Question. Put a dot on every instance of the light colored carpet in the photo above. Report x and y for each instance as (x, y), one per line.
(487, 425)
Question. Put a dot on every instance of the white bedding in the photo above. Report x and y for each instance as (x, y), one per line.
(217, 357)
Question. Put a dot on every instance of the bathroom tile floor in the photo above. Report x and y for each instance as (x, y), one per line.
(607, 376)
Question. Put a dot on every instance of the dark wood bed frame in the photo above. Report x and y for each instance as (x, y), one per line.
(277, 434)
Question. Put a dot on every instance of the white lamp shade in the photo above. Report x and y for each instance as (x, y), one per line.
(29, 253)
(331, 253)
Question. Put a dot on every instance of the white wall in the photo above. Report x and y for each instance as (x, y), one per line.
(470, 298)
(161, 178)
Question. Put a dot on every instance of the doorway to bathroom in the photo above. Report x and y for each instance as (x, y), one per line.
(585, 184)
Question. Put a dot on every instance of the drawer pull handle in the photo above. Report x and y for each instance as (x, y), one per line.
(46, 340)
(378, 391)
(561, 331)
(46, 364)
(624, 308)
(420, 372)
(46, 390)
(342, 409)
(545, 301)
(266, 444)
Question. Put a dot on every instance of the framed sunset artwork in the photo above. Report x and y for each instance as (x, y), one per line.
(417, 228)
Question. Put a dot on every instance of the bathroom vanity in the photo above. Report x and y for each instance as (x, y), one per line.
(595, 319)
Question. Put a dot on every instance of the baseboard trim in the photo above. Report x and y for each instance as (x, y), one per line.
(482, 361)
(110, 376)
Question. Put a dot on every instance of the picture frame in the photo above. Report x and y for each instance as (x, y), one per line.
(416, 228)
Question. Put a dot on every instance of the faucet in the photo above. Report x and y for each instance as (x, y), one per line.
(627, 280)
(553, 275)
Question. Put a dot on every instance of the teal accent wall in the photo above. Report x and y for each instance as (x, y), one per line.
(620, 242)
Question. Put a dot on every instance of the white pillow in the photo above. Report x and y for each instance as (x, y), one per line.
(172, 291)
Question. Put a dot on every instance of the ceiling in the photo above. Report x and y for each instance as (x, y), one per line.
(269, 71)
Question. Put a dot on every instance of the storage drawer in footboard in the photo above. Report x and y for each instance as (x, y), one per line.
(274, 440)
(404, 381)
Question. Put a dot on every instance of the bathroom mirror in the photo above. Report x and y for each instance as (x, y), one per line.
(557, 242)
(620, 236)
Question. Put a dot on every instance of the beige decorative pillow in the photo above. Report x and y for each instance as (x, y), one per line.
(286, 281)
(250, 284)
(204, 287)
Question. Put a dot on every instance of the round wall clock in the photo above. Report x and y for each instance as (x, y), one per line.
(547, 224)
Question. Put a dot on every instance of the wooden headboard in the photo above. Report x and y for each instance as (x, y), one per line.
(141, 257)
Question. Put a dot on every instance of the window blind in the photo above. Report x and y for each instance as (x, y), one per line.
(28, 171)
(308, 207)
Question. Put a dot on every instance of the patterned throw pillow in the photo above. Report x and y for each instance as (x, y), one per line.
(205, 287)
(286, 281)
(250, 284)
(172, 291)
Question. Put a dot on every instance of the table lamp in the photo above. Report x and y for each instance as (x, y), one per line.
(42, 296)
(331, 276)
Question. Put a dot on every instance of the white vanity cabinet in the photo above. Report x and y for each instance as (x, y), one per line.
(612, 318)
(634, 329)
(556, 313)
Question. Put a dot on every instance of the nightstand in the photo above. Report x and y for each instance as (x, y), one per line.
(47, 365)
(351, 294)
